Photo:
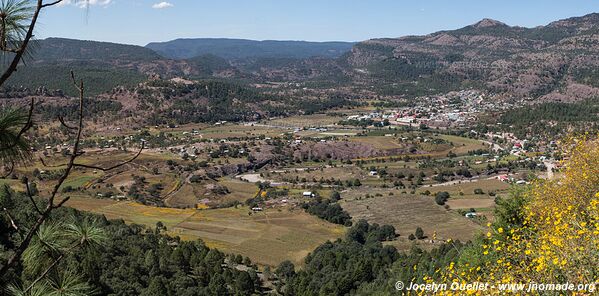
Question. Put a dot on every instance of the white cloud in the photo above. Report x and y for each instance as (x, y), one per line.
(85, 3)
(162, 5)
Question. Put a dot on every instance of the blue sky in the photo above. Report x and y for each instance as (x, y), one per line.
(142, 21)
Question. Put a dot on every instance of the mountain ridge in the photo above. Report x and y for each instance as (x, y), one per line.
(231, 48)
(550, 62)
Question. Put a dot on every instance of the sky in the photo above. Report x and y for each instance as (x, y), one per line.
(142, 21)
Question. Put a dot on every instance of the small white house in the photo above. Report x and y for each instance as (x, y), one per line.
(373, 173)
(470, 215)
(257, 209)
(307, 194)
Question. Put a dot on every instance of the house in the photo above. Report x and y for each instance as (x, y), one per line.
(307, 194)
(373, 173)
(470, 215)
(257, 209)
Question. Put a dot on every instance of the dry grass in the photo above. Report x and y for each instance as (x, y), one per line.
(132, 212)
(239, 131)
(463, 145)
(467, 188)
(313, 120)
(267, 237)
(407, 212)
(89, 204)
(239, 190)
(474, 203)
(379, 142)
(184, 197)
(342, 173)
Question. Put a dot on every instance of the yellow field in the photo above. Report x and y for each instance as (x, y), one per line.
(133, 212)
(267, 237)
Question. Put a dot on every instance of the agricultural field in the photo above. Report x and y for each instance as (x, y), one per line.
(239, 131)
(407, 212)
(463, 145)
(465, 189)
(315, 173)
(314, 120)
(200, 181)
(238, 190)
(268, 237)
(380, 142)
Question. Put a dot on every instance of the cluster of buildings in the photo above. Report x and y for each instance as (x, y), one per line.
(455, 109)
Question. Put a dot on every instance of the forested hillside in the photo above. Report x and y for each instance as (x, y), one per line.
(243, 49)
(131, 259)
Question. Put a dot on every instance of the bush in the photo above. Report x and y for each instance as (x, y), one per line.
(441, 197)
(335, 196)
(548, 229)
(419, 233)
(328, 210)
(195, 179)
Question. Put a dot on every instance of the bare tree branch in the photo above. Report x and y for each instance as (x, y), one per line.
(20, 51)
(114, 166)
(61, 120)
(37, 209)
(12, 221)
(16, 256)
(51, 4)
(62, 202)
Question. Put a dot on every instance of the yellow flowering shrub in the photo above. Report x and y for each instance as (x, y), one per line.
(555, 241)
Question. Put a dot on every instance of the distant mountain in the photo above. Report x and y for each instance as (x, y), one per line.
(559, 61)
(62, 49)
(242, 49)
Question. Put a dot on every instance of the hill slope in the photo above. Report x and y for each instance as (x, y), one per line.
(61, 49)
(105, 65)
